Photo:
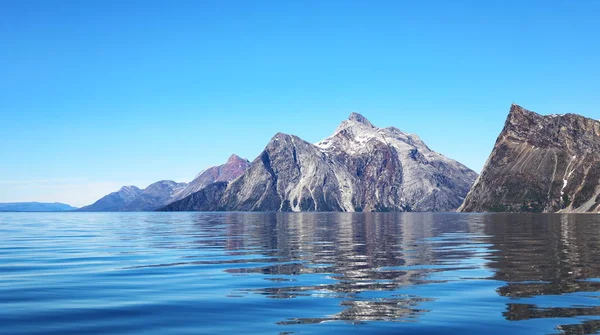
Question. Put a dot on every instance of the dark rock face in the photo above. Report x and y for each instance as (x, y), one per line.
(233, 168)
(540, 164)
(206, 199)
(131, 198)
(359, 168)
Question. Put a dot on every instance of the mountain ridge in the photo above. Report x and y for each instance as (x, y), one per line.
(163, 192)
(358, 168)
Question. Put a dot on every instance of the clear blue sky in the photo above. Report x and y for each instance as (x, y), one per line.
(97, 94)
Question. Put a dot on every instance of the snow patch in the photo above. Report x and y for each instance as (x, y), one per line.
(568, 175)
(562, 192)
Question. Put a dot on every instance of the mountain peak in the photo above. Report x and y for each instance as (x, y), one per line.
(514, 108)
(234, 158)
(519, 117)
(129, 188)
(356, 117)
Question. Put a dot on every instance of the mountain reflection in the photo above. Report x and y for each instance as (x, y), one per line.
(358, 255)
(373, 264)
(544, 255)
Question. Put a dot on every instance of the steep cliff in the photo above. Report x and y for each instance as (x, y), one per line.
(540, 164)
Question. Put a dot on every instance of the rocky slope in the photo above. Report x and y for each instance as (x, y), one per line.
(540, 164)
(233, 168)
(207, 199)
(359, 168)
(154, 196)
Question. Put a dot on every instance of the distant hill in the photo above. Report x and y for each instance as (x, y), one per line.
(131, 198)
(161, 193)
(35, 207)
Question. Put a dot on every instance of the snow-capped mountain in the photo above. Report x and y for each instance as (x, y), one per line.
(359, 168)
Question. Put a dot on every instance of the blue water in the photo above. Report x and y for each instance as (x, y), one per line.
(276, 273)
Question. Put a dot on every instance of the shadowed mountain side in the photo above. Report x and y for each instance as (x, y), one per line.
(207, 199)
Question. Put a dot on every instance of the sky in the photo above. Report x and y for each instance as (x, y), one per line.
(99, 94)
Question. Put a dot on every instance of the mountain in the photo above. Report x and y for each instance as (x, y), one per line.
(114, 201)
(233, 168)
(540, 164)
(161, 193)
(131, 198)
(154, 196)
(359, 168)
(35, 207)
(205, 200)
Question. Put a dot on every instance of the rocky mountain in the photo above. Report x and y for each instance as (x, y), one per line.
(540, 164)
(161, 193)
(233, 168)
(35, 207)
(131, 198)
(114, 201)
(154, 196)
(359, 168)
(205, 200)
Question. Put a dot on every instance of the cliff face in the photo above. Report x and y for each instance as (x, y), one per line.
(540, 164)
(359, 168)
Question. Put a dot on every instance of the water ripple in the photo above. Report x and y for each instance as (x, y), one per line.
(277, 273)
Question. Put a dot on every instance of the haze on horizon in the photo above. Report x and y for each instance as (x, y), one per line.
(96, 95)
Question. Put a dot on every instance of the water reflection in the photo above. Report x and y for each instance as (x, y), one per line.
(547, 255)
(356, 256)
(352, 255)
(281, 272)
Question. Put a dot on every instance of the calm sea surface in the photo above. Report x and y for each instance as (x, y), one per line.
(276, 273)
